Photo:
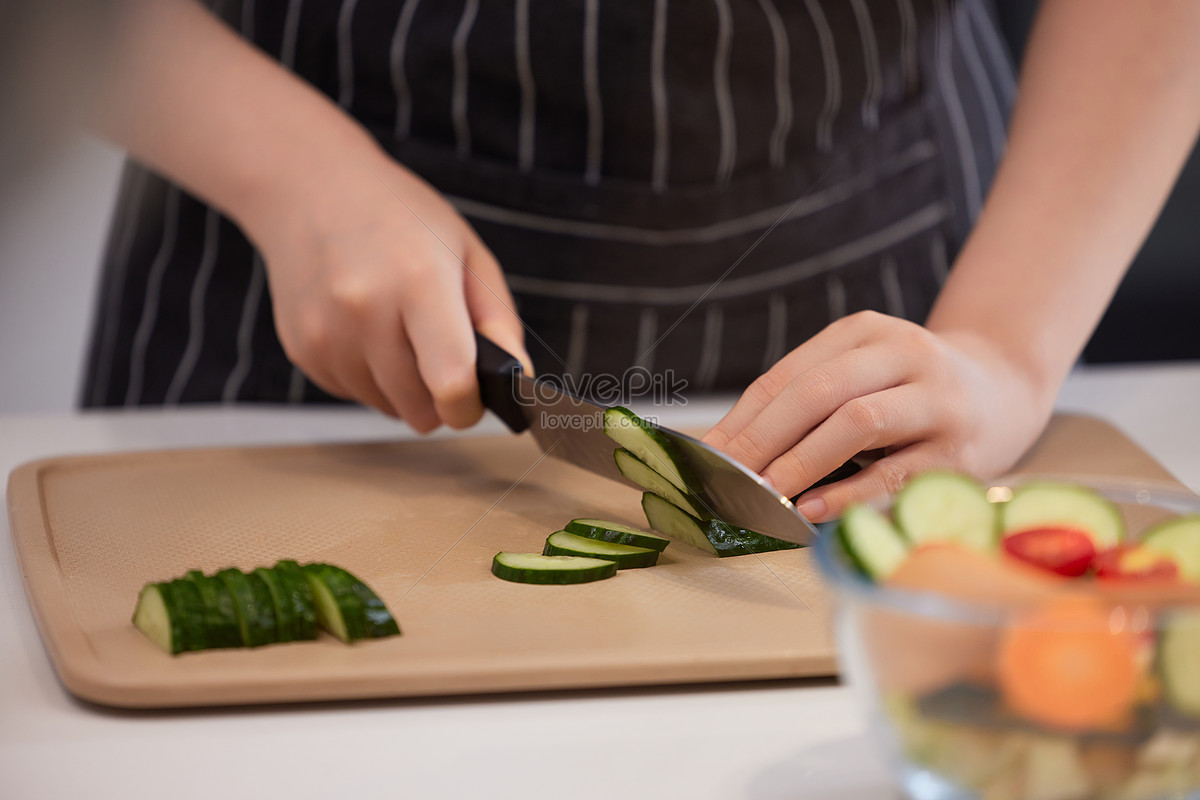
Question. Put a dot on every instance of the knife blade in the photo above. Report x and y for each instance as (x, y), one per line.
(572, 429)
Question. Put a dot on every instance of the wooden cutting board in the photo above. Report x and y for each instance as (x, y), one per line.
(420, 522)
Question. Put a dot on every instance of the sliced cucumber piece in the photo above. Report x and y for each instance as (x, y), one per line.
(1179, 540)
(713, 536)
(346, 607)
(156, 618)
(298, 594)
(542, 569)
(640, 473)
(1179, 661)
(220, 620)
(650, 445)
(183, 598)
(607, 531)
(942, 506)
(1044, 504)
(871, 541)
(563, 543)
(252, 605)
(284, 616)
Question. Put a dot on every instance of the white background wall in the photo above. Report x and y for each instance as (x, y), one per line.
(52, 231)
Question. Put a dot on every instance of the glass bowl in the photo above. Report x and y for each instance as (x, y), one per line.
(1048, 688)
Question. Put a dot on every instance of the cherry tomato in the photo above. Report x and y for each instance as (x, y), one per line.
(1063, 551)
(1130, 563)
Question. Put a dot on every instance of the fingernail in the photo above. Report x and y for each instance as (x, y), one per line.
(813, 509)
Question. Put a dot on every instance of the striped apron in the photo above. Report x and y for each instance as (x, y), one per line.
(693, 188)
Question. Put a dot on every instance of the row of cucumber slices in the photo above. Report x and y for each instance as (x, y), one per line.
(584, 550)
(269, 605)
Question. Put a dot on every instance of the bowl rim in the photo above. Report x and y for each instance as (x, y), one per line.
(849, 582)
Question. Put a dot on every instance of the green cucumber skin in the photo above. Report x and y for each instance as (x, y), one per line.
(189, 605)
(632, 560)
(173, 612)
(253, 606)
(220, 618)
(365, 616)
(646, 540)
(726, 540)
(549, 577)
(298, 593)
(284, 623)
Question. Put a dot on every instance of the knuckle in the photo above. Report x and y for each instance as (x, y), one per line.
(823, 387)
(892, 474)
(768, 386)
(866, 418)
(755, 443)
(453, 385)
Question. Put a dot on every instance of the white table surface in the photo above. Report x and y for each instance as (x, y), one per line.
(766, 740)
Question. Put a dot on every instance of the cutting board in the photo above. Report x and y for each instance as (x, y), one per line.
(419, 521)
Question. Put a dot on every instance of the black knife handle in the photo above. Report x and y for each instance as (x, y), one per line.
(497, 372)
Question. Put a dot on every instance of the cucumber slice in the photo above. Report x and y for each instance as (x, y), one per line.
(253, 607)
(298, 594)
(346, 607)
(563, 543)
(1179, 540)
(183, 598)
(713, 536)
(650, 445)
(940, 506)
(284, 617)
(155, 617)
(542, 569)
(220, 620)
(640, 473)
(871, 541)
(1179, 657)
(1044, 504)
(607, 531)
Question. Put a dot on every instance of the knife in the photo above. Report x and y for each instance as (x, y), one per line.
(572, 429)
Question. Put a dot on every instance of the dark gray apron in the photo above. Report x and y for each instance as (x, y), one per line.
(693, 188)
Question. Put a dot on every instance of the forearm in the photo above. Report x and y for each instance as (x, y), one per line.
(1109, 106)
(191, 99)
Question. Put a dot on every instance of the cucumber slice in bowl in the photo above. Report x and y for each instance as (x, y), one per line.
(1179, 657)
(540, 569)
(712, 536)
(563, 543)
(1050, 504)
(941, 506)
(651, 446)
(644, 476)
(346, 607)
(1179, 540)
(871, 541)
(616, 532)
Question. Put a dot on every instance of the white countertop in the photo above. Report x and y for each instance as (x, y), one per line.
(764, 740)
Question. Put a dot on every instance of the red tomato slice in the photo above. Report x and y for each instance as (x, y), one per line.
(1063, 551)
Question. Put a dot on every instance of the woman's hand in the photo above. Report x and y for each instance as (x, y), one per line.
(377, 285)
(870, 382)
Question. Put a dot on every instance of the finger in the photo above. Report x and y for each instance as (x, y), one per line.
(883, 478)
(894, 417)
(810, 399)
(838, 337)
(437, 323)
(491, 306)
(337, 370)
(394, 369)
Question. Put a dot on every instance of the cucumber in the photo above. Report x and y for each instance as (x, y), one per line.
(640, 473)
(1179, 540)
(298, 594)
(346, 607)
(871, 541)
(1044, 504)
(563, 543)
(940, 506)
(1179, 662)
(713, 536)
(607, 531)
(542, 569)
(158, 618)
(183, 599)
(284, 613)
(651, 446)
(252, 605)
(220, 620)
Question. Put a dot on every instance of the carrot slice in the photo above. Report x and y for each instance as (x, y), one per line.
(1066, 665)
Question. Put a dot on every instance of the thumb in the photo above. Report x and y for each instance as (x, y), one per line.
(492, 309)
